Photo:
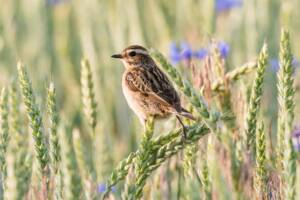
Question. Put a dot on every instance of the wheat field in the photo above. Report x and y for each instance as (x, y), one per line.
(66, 131)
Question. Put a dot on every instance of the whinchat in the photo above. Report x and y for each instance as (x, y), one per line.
(147, 89)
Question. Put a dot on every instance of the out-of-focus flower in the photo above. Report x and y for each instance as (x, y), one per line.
(226, 5)
(296, 138)
(184, 52)
(275, 65)
(201, 53)
(55, 2)
(175, 52)
(102, 188)
(187, 51)
(224, 49)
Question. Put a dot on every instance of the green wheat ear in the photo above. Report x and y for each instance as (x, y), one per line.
(15, 114)
(205, 180)
(90, 111)
(72, 183)
(11, 190)
(22, 161)
(23, 172)
(162, 148)
(142, 157)
(119, 173)
(234, 75)
(189, 160)
(128, 190)
(54, 146)
(286, 92)
(83, 165)
(88, 94)
(16, 118)
(53, 121)
(260, 180)
(4, 135)
(256, 94)
(164, 152)
(35, 120)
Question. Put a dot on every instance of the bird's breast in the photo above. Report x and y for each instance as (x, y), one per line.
(140, 100)
(134, 99)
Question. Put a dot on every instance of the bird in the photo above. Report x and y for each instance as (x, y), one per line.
(147, 89)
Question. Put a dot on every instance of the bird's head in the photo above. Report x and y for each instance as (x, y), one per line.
(134, 56)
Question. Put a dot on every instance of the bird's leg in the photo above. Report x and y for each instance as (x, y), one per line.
(144, 121)
(183, 127)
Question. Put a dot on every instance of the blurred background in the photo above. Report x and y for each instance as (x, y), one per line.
(51, 37)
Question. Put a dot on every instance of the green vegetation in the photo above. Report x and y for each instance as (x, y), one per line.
(66, 131)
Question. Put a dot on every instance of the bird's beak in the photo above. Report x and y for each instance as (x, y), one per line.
(117, 56)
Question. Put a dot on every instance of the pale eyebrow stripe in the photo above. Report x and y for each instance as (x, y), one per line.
(138, 51)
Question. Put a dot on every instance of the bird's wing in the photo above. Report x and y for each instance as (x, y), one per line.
(152, 81)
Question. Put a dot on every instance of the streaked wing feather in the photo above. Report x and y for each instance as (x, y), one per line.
(152, 81)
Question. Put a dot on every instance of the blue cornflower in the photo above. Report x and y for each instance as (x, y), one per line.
(187, 51)
(275, 65)
(201, 53)
(55, 2)
(296, 138)
(184, 52)
(296, 63)
(102, 188)
(224, 49)
(175, 53)
(225, 5)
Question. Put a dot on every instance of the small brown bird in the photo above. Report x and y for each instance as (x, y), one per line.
(147, 89)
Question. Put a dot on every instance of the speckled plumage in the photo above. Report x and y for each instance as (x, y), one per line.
(146, 88)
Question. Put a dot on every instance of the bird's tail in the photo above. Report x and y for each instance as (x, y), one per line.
(186, 114)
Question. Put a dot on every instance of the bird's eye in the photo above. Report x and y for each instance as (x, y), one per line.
(132, 53)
